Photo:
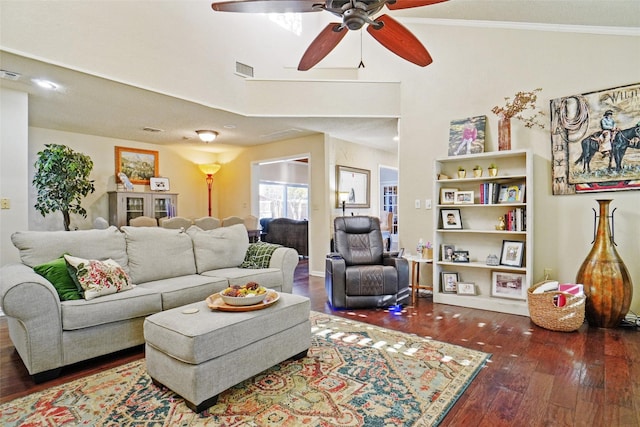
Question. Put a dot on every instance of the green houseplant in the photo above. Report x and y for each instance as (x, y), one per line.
(62, 180)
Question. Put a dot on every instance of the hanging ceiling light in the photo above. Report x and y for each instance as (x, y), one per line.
(207, 135)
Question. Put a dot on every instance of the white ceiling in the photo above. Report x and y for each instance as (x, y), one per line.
(95, 102)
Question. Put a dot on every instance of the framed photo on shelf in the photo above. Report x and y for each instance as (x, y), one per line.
(466, 136)
(451, 219)
(138, 165)
(447, 252)
(466, 288)
(512, 253)
(460, 256)
(447, 196)
(159, 184)
(508, 285)
(355, 184)
(463, 197)
(511, 193)
(448, 281)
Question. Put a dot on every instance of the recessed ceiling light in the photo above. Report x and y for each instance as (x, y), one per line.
(45, 84)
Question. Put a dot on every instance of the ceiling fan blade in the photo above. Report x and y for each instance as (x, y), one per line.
(322, 45)
(395, 37)
(406, 4)
(268, 6)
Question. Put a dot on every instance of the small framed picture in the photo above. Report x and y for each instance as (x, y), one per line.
(463, 197)
(466, 288)
(511, 193)
(449, 280)
(447, 196)
(460, 256)
(451, 218)
(512, 253)
(508, 285)
(159, 184)
(447, 252)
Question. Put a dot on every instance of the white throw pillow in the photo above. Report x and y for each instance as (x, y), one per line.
(98, 278)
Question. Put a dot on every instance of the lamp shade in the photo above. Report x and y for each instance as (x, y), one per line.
(209, 169)
(343, 196)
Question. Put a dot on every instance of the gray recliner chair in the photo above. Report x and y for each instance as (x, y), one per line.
(359, 273)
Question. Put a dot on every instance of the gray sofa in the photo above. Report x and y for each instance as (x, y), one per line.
(169, 268)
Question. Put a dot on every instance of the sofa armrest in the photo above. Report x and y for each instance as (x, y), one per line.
(402, 266)
(32, 306)
(285, 259)
(335, 280)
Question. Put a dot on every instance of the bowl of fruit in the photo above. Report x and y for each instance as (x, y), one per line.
(249, 294)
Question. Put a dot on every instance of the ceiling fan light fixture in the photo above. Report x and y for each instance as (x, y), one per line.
(207, 135)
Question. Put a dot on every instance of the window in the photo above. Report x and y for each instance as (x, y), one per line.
(279, 200)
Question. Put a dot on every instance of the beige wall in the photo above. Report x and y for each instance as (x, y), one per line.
(474, 69)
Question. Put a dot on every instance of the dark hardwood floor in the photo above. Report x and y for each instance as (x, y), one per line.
(535, 377)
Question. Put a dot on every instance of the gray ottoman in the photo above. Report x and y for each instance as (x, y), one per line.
(201, 355)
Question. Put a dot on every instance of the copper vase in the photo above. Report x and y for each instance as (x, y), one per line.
(504, 134)
(606, 279)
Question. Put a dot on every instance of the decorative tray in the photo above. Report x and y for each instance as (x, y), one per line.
(215, 302)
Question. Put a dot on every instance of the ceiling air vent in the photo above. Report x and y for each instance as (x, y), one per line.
(244, 69)
(9, 75)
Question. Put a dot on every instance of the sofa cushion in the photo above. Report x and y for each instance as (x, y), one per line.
(138, 302)
(259, 255)
(182, 290)
(38, 247)
(98, 278)
(158, 253)
(220, 247)
(56, 272)
(270, 278)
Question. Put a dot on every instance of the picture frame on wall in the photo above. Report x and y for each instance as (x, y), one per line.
(356, 184)
(138, 165)
(466, 136)
(512, 253)
(451, 219)
(508, 285)
(448, 282)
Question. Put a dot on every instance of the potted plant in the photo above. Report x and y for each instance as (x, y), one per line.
(61, 181)
(477, 171)
(493, 169)
(461, 172)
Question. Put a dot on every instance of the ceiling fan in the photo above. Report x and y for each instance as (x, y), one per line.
(355, 14)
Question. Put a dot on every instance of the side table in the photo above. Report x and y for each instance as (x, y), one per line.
(415, 262)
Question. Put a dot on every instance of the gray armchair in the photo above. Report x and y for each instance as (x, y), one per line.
(359, 273)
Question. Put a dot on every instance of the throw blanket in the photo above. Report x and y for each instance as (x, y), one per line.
(259, 255)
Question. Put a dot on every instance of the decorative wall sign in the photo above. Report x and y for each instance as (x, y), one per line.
(586, 155)
(466, 136)
(138, 165)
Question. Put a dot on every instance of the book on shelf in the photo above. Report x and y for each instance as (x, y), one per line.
(516, 220)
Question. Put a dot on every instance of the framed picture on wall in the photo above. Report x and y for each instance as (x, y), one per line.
(354, 184)
(138, 165)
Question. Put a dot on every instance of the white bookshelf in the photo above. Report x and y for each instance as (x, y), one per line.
(479, 235)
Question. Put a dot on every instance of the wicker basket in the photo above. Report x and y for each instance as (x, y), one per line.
(545, 314)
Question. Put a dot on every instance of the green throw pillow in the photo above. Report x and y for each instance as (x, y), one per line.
(56, 272)
(259, 255)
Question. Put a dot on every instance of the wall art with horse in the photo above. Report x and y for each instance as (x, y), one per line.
(595, 141)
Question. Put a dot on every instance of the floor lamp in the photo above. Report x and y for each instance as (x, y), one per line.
(210, 170)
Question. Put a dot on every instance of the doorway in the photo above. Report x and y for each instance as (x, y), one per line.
(389, 203)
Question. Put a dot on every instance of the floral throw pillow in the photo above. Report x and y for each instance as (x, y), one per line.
(98, 278)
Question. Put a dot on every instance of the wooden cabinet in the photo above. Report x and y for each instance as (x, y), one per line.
(126, 205)
(477, 233)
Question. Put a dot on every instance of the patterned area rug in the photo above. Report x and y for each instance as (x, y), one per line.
(355, 374)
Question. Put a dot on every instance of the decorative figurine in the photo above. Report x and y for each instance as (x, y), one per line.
(501, 225)
(125, 181)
